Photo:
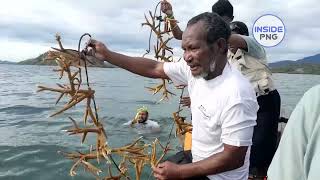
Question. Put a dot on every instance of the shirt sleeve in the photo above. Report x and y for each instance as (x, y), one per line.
(254, 48)
(238, 122)
(127, 123)
(296, 155)
(178, 72)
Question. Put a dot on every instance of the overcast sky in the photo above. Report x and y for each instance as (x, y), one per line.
(27, 27)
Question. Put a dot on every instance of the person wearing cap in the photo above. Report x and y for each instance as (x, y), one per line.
(141, 116)
(142, 123)
(249, 57)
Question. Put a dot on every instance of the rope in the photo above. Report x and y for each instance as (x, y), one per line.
(82, 55)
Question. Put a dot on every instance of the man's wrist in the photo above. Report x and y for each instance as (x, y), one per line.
(105, 55)
(184, 171)
(180, 172)
(169, 14)
(170, 17)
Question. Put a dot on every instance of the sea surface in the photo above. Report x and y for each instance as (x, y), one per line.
(30, 139)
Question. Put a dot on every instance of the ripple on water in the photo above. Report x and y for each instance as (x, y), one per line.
(23, 110)
(21, 155)
(23, 94)
(33, 162)
(16, 172)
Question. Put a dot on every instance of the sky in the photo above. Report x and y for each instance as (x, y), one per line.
(28, 27)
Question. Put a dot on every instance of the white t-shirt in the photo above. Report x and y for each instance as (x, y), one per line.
(224, 111)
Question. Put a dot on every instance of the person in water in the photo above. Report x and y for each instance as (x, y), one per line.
(142, 123)
(141, 116)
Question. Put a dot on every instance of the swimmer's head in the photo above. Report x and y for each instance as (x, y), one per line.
(142, 115)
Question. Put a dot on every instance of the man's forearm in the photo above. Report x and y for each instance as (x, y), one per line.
(215, 164)
(138, 65)
(176, 31)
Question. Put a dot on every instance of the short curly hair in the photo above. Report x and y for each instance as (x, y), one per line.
(216, 27)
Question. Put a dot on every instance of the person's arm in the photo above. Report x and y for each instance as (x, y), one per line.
(176, 31)
(248, 44)
(138, 65)
(238, 121)
(230, 158)
(299, 145)
(291, 150)
(167, 9)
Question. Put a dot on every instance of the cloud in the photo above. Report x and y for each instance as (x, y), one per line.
(16, 50)
(28, 29)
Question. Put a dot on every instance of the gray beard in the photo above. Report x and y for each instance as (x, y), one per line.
(202, 75)
(212, 68)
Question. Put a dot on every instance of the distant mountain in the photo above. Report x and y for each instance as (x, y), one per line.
(6, 62)
(298, 69)
(311, 59)
(307, 60)
(40, 60)
(307, 65)
(281, 64)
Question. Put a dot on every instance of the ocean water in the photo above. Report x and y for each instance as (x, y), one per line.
(30, 139)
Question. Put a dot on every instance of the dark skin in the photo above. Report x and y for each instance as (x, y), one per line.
(230, 158)
(235, 41)
(198, 56)
(143, 116)
(166, 8)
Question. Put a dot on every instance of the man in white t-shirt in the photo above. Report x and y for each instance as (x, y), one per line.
(223, 106)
